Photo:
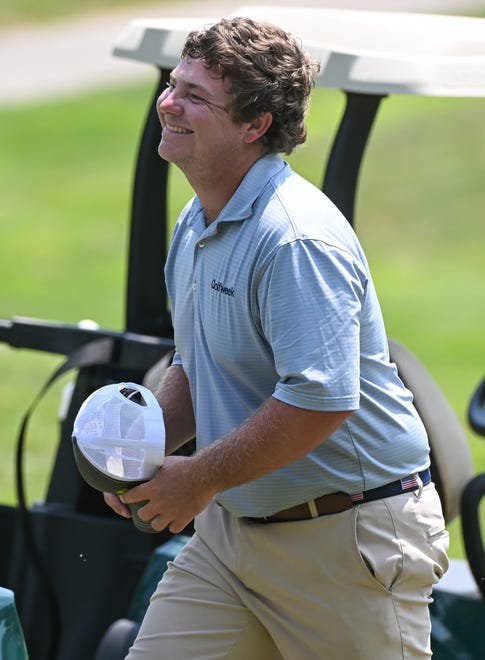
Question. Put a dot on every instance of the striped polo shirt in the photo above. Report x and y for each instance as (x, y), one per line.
(275, 298)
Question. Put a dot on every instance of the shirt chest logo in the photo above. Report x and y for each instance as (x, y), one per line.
(219, 287)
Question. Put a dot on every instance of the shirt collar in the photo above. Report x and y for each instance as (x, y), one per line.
(240, 206)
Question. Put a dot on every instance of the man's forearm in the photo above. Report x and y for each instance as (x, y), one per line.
(276, 435)
(173, 395)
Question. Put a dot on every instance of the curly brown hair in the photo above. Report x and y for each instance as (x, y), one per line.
(267, 71)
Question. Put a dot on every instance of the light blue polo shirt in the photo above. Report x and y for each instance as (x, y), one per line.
(275, 298)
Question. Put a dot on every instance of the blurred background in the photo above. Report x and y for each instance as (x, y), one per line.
(71, 117)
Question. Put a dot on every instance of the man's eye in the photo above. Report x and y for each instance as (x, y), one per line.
(170, 86)
(196, 99)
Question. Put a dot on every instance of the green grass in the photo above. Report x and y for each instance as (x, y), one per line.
(15, 12)
(65, 184)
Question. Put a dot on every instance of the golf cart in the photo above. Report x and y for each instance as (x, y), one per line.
(69, 609)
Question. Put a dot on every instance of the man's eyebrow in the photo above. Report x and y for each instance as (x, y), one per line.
(192, 86)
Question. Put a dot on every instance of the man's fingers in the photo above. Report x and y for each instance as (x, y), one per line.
(177, 527)
(159, 523)
(114, 502)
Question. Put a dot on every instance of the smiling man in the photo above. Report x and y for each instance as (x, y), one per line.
(318, 533)
(200, 136)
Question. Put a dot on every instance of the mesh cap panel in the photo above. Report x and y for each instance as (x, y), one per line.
(119, 429)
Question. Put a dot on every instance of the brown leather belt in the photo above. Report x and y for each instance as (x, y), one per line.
(324, 505)
(338, 502)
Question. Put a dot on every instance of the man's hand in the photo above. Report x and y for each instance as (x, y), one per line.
(175, 496)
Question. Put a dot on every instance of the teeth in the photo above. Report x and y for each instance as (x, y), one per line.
(177, 129)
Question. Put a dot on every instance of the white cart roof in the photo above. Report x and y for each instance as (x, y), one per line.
(361, 51)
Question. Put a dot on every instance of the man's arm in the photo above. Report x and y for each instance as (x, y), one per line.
(173, 395)
(276, 435)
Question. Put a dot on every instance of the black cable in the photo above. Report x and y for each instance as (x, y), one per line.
(99, 351)
(31, 546)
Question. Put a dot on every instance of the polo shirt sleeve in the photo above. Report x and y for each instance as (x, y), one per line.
(310, 300)
(177, 359)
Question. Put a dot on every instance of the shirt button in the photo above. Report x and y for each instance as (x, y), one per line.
(194, 286)
(201, 244)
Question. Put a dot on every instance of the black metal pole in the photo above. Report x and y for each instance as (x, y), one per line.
(344, 161)
(146, 300)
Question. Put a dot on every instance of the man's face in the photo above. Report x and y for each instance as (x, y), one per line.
(197, 128)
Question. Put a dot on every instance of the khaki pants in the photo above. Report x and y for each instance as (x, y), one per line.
(353, 585)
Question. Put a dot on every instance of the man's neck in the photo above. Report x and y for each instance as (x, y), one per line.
(215, 191)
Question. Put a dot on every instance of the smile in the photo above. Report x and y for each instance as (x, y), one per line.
(177, 129)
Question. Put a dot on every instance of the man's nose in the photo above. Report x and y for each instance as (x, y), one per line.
(167, 100)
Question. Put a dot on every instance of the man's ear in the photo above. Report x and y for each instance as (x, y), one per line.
(258, 127)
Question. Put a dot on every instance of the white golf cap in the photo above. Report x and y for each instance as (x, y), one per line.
(120, 431)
